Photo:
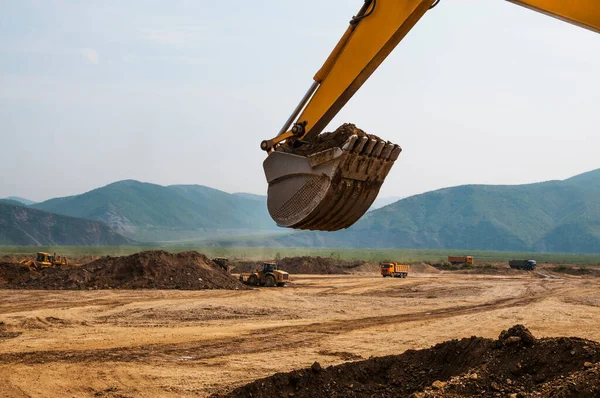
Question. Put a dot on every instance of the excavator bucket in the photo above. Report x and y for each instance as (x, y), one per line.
(330, 189)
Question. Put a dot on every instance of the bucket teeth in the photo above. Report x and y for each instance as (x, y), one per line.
(378, 149)
(360, 144)
(387, 150)
(369, 147)
(395, 153)
(329, 190)
(349, 144)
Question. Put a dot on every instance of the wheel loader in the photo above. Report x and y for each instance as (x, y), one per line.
(45, 260)
(269, 275)
(330, 188)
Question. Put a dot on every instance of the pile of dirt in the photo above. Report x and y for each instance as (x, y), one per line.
(11, 259)
(366, 268)
(317, 265)
(303, 265)
(423, 268)
(492, 270)
(515, 365)
(145, 270)
(572, 270)
(333, 139)
(83, 259)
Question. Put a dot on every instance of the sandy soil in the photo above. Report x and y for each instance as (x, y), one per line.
(192, 343)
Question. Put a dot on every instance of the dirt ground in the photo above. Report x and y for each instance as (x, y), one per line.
(157, 343)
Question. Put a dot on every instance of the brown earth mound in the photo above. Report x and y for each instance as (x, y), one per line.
(317, 265)
(145, 270)
(333, 139)
(304, 265)
(423, 268)
(11, 259)
(515, 365)
(366, 268)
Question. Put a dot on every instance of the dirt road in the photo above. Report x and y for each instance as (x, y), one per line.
(188, 343)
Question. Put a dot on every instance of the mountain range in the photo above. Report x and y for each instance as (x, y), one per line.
(24, 226)
(24, 201)
(153, 213)
(553, 216)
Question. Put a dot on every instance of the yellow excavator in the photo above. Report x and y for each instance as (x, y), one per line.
(331, 189)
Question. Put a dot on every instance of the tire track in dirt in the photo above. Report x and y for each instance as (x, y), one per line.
(290, 336)
(12, 301)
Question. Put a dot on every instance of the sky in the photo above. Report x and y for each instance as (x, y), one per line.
(184, 91)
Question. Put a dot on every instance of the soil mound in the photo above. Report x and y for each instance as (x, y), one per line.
(515, 365)
(332, 139)
(145, 270)
(423, 268)
(304, 265)
(11, 259)
(317, 265)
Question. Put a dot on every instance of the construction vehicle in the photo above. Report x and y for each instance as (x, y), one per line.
(269, 275)
(222, 262)
(527, 265)
(460, 259)
(393, 270)
(331, 189)
(45, 260)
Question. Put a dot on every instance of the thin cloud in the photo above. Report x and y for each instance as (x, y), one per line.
(90, 56)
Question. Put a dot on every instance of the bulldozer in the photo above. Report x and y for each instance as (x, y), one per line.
(45, 260)
(269, 275)
(222, 262)
(330, 188)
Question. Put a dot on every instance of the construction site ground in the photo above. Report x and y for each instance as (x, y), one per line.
(174, 343)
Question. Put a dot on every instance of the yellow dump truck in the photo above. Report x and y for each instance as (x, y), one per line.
(393, 270)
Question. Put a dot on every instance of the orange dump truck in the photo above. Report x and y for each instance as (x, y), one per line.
(393, 270)
(460, 260)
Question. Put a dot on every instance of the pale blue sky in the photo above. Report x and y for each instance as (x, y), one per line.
(182, 92)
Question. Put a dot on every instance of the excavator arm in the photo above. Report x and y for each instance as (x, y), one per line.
(372, 35)
(584, 13)
(333, 190)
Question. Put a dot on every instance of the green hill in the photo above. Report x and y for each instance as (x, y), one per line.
(150, 212)
(24, 201)
(553, 216)
(20, 225)
(11, 202)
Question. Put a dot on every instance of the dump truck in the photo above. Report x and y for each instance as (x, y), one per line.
(460, 259)
(269, 275)
(527, 265)
(45, 260)
(393, 270)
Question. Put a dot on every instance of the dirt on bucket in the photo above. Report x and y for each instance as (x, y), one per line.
(331, 139)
